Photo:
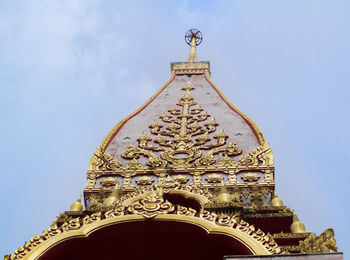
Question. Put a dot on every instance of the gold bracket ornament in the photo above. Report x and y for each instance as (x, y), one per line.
(181, 138)
(151, 206)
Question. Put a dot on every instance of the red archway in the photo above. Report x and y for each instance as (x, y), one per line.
(149, 239)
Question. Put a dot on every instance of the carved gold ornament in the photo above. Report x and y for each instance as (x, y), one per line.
(109, 182)
(151, 206)
(214, 178)
(181, 137)
(250, 177)
(182, 179)
(144, 180)
(103, 161)
(324, 243)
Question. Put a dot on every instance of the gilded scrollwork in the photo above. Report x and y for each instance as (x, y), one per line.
(260, 156)
(182, 179)
(92, 218)
(144, 180)
(181, 210)
(214, 178)
(250, 177)
(150, 206)
(101, 160)
(116, 212)
(109, 182)
(324, 243)
(182, 136)
(72, 224)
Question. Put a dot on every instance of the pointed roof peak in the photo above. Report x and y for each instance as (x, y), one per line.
(193, 38)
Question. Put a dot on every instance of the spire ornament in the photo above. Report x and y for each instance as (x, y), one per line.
(193, 38)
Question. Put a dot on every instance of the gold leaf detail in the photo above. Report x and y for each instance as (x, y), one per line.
(180, 141)
(214, 178)
(151, 206)
(144, 180)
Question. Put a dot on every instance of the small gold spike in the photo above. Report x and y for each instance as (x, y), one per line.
(276, 201)
(113, 197)
(193, 52)
(76, 206)
(224, 195)
(297, 226)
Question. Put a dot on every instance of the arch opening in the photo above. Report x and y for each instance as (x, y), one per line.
(149, 240)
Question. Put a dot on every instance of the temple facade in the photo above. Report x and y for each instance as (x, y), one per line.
(186, 176)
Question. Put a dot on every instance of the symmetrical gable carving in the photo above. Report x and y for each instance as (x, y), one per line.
(185, 136)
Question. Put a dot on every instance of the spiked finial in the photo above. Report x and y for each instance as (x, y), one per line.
(297, 226)
(193, 38)
(76, 206)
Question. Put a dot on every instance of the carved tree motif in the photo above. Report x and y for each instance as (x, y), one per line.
(181, 137)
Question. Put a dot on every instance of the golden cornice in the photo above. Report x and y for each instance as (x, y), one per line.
(290, 235)
(183, 68)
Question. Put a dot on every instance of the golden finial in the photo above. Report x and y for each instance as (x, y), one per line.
(76, 205)
(113, 197)
(224, 196)
(193, 38)
(297, 226)
(276, 201)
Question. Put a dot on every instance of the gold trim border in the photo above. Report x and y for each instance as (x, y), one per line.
(211, 228)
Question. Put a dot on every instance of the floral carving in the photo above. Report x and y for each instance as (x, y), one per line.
(324, 243)
(182, 179)
(145, 180)
(91, 219)
(118, 211)
(72, 224)
(151, 206)
(214, 178)
(250, 177)
(102, 160)
(181, 210)
(109, 182)
(181, 136)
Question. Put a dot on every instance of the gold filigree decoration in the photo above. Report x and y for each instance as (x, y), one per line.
(185, 132)
(259, 156)
(250, 177)
(101, 160)
(133, 165)
(109, 182)
(190, 67)
(324, 243)
(256, 198)
(118, 211)
(144, 180)
(182, 179)
(72, 224)
(214, 178)
(181, 210)
(91, 219)
(168, 184)
(151, 206)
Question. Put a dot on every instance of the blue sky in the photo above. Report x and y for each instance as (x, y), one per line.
(71, 69)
